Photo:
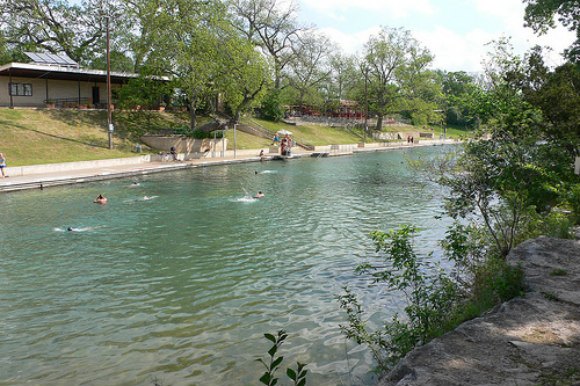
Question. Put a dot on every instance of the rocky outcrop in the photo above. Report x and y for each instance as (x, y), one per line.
(530, 340)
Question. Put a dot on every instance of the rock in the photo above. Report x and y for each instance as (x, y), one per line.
(530, 340)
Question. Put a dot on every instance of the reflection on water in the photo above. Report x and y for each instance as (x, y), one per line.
(178, 279)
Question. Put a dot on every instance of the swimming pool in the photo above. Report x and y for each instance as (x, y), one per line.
(177, 278)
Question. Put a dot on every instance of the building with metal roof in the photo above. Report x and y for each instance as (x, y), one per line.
(56, 81)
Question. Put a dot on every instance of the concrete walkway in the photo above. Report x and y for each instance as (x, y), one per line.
(43, 176)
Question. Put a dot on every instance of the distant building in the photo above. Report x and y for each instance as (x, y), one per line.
(56, 81)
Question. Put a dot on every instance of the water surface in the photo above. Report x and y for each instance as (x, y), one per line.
(178, 277)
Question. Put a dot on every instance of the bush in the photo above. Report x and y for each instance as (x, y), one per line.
(574, 200)
(436, 302)
(272, 106)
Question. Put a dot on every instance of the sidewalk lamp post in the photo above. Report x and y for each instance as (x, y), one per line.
(110, 125)
(235, 126)
(366, 124)
(442, 123)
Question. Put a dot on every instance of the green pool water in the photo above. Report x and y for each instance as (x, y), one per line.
(175, 280)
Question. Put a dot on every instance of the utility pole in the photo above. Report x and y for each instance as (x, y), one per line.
(366, 128)
(110, 125)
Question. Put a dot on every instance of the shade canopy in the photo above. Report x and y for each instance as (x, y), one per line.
(284, 132)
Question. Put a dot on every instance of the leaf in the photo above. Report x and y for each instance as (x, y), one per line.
(265, 379)
(262, 362)
(302, 382)
(270, 337)
(277, 362)
(273, 350)
(291, 374)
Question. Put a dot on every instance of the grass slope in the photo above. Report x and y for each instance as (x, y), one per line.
(29, 136)
(310, 134)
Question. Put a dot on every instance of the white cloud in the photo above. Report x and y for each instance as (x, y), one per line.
(350, 43)
(453, 51)
(394, 8)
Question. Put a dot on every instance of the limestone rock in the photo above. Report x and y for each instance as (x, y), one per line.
(530, 340)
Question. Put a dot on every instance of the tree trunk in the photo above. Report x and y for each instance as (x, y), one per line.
(277, 77)
(192, 116)
(379, 126)
(236, 117)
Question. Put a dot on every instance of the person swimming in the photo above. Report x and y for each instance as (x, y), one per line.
(102, 200)
(259, 195)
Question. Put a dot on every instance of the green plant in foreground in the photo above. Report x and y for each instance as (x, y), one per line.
(298, 376)
(558, 272)
(430, 294)
(436, 302)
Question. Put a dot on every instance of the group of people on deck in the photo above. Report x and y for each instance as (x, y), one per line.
(285, 143)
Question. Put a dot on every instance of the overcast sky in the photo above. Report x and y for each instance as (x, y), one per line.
(455, 31)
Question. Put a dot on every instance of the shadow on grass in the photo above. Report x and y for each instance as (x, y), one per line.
(20, 127)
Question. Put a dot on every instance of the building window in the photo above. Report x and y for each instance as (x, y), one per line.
(20, 89)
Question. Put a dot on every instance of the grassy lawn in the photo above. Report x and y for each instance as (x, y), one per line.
(246, 141)
(311, 134)
(29, 136)
(454, 132)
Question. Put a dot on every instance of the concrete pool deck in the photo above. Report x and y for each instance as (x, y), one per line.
(44, 176)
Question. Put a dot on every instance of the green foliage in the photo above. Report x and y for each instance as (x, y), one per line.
(298, 376)
(142, 92)
(540, 16)
(436, 302)
(431, 297)
(574, 201)
(558, 272)
(396, 76)
(460, 90)
(249, 77)
(272, 108)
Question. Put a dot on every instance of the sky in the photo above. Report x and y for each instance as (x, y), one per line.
(455, 31)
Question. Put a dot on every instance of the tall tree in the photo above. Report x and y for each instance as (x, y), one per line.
(343, 76)
(248, 76)
(392, 60)
(310, 69)
(540, 17)
(459, 89)
(57, 26)
(185, 39)
(271, 25)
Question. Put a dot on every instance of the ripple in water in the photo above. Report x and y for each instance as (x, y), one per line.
(181, 284)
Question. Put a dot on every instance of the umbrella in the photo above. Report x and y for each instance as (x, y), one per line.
(283, 132)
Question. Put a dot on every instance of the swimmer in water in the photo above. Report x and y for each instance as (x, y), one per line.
(100, 200)
(259, 195)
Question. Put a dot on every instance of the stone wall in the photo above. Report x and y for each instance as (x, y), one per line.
(191, 148)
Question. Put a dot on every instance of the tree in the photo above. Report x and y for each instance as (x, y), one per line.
(185, 40)
(57, 26)
(343, 76)
(248, 76)
(392, 60)
(540, 17)
(310, 69)
(271, 26)
(459, 90)
(557, 94)
(514, 178)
